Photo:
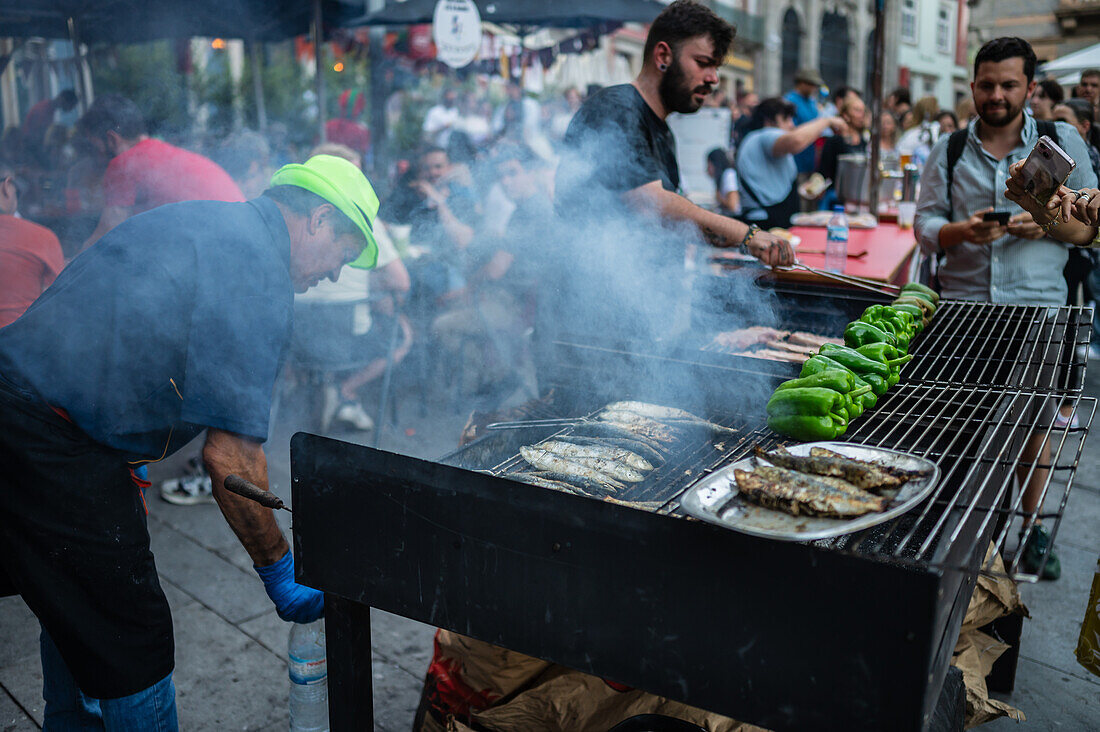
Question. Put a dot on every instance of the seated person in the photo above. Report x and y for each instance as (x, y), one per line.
(497, 304)
(30, 255)
(339, 326)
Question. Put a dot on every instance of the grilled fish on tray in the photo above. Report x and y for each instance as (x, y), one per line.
(857, 472)
(802, 495)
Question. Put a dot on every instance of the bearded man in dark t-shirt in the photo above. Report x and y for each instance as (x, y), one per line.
(619, 168)
(618, 141)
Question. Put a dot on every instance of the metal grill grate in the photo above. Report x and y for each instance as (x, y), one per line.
(1016, 345)
(976, 436)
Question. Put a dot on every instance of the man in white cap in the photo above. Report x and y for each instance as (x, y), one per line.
(175, 322)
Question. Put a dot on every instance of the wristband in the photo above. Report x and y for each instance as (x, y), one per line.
(1050, 225)
(743, 247)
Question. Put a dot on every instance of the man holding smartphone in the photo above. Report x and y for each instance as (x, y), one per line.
(1014, 262)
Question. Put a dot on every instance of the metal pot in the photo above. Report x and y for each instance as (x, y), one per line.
(852, 176)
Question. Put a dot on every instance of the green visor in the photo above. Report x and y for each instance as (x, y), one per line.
(342, 184)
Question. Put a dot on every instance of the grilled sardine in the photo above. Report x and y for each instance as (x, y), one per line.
(770, 472)
(592, 468)
(857, 472)
(667, 414)
(544, 482)
(802, 495)
(601, 452)
(606, 429)
(902, 473)
(641, 425)
(635, 445)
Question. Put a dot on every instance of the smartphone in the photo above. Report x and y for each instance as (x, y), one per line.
(1047, 167)
(1001, 217)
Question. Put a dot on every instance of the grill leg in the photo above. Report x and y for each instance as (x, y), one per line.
(347, 640)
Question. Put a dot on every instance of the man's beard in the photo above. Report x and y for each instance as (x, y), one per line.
(1011, 113)
(674, 92)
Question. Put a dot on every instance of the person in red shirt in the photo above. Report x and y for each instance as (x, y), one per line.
(347, 129)
(30, 255)
(40, 118)
(143, 172)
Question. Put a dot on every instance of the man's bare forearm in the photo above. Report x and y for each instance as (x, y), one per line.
(224, 454)
(721, 230)
(1073, 232)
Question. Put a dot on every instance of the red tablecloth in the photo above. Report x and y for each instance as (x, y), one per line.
(887, 248)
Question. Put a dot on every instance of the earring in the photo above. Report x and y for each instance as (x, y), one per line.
(662, 67)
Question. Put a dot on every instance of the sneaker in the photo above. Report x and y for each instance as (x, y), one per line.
(351, 414)
(1061, 421)
(1037, 543)
(190, 490)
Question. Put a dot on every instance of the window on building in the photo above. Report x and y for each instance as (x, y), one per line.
(943, 29)
(909, 21)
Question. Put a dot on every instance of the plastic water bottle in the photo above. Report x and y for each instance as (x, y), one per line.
(308, 677)
(836, 241)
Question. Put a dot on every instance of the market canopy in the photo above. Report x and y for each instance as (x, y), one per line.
(1073, 64)
(540, 13)
(133, 21)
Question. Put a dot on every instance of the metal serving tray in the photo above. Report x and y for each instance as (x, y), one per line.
(715, 498)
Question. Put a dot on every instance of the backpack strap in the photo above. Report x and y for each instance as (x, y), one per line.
(1049, 128)
(956, 143)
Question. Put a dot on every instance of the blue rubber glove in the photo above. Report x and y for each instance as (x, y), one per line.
(293, 602)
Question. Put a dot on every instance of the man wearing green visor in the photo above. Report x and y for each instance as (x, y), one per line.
(175, 322)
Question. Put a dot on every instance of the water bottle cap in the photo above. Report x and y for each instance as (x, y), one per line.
(838, 209)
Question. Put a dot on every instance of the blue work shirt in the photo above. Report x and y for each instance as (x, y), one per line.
(176, 320)
(770, 177)
(805, 110)
(1009, 269)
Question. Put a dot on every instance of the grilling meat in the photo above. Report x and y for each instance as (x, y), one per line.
(857, 472)
(771, 344)
(742, 338)
(802, 495)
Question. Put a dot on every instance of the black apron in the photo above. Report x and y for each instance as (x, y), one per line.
(778, 214)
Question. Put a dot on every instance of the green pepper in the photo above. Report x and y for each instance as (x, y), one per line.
(913, 310)
(808, 429)
(819, 364)
(859, 333)
(921, 290)
(841, 380)
(855, 360)
(878, 384)
(909, 299)
(879, 351)
(898, 330)
(807, 401)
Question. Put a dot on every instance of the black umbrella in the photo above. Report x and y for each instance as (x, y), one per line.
(528, 13)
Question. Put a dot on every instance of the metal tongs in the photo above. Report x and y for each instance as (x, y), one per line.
(520, 424)
(873, 285)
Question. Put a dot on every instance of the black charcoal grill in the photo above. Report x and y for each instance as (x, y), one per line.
(855, 632)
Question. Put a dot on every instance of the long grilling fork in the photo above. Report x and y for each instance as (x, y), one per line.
(873, 285)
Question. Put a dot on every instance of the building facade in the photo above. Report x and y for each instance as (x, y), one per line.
(932, 49)
(833, 36)
(1054, 28)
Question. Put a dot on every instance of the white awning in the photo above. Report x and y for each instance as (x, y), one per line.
(1071, 65)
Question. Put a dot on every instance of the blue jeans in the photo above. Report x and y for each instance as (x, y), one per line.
(68, 709)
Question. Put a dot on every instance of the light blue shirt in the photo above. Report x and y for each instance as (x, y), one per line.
(805, 110)
(1010, 269)
(770, 177)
